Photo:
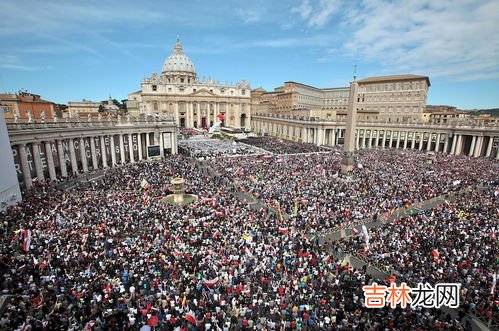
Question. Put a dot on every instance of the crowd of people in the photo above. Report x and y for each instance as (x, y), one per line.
(452, 243)
(281, 146)
(202, 148)
(309, 186)
(110, 255)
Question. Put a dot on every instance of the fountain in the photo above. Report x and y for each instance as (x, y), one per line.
(179, 197)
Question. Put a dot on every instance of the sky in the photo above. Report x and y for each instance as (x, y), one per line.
(74, 50)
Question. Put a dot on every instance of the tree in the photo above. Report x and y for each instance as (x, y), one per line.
(101, 108)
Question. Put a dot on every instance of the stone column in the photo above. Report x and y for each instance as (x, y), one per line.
(122, 149)
(397, 145)
(459, 144)
(472, 147)
(446, 143)
(139, 141)
(383, 140)
(161, 145)
(391, 140)
(113, 151)
(489, 147)
(369, 140)
(72, 157)
(430, 138)
(304, 135)
(93, 153)
(130, 148)
(497, 154)
(320, 136)
(453, 146)
(103, 151)
(478, 146)
(364, 138)
(25, 166)
(357, 140)
(413, 140)
(83, 155)
(421, 141)
(173, 138)
(376, 139)
(38, 161)
(198, 110)
(50, 160)
(406, 137)
(62, 161)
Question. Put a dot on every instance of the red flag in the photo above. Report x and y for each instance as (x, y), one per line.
(190, 317)
(435, 254)
(283, 230)
(211, 282)
(26, 236)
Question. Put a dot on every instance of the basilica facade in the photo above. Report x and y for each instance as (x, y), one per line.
(194, 103)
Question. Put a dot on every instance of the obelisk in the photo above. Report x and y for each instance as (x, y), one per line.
(347, 162)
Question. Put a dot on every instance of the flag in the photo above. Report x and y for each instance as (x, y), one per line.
(239, 172)
(283, 229)
(190, 317)
(211, 282)
(327, 259)
(435, 254)
(145, 184)
(355, 231)
(26, 236)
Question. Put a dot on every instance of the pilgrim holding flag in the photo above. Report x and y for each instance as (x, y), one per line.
(26, 239)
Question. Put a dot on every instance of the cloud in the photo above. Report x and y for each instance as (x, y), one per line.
(318, 13)
(448, 39)
(249, 15)
(12, 62)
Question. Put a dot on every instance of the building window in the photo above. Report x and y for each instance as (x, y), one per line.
(155, 106)
(193, 90)
(155, 87)
(243, 92)
(169, 89)
(6, 109)
(181, 80)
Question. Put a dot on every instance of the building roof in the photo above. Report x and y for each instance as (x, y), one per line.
(301, 84)
(393, 78)
(178, 62)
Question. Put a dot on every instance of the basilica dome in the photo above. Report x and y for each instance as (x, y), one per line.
(178, 63)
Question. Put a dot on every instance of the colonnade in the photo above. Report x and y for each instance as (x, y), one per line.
(477, 142)
(54, 156)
